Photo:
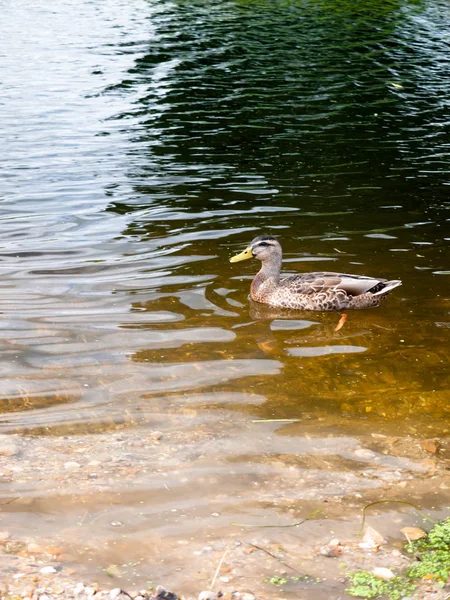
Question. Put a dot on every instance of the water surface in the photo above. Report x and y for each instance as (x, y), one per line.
(146, 142)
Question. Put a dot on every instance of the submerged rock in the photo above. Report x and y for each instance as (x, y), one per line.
(163, 594)
(207, 596)
(383, 573)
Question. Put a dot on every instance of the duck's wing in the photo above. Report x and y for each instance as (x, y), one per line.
(315, 283)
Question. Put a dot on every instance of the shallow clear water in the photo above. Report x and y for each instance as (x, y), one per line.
(144, 143)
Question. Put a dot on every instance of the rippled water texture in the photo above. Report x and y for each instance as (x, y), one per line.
(146, 142)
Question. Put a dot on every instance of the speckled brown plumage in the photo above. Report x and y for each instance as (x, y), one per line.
(309, 291)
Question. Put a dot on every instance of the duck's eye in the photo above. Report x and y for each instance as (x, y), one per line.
(263, 244)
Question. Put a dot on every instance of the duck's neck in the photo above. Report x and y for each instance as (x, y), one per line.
(266, 280)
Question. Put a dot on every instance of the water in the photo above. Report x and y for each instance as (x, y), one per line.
(144, 143)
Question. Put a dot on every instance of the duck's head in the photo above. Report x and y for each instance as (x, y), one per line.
(264, 248)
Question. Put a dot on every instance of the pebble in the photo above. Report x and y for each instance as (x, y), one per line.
(78, 589)
(161, 592)
(207, 596)
(28, 591)
(431, 446)
(89, 591)
(247, 596)
(4, 535)
(34, 548)
(330, 551)
(48, 570)
(334, 542)
(224, 579)
(364, 453)
(9, 449)
(383, 573)
(115, 593)
(371, 539)
(71, 465)
(156, 435)
(113, 571)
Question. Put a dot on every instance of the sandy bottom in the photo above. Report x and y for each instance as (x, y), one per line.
(169, 502)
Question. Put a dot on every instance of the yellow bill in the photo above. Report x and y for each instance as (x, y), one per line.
(243, 255)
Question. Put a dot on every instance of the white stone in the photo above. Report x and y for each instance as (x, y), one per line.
(364, 453)
(9, 449)
(34, 548)
(383, 573)
(113, 594)
(207, 596)
(78, 589)
(334, 542)
(71, 465)
(371, 538)
(48, 570)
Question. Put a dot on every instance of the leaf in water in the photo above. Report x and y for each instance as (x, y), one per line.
(396, 85)
(342, 320)
(413, 533)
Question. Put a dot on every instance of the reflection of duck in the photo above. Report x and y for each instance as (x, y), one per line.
(309, 291)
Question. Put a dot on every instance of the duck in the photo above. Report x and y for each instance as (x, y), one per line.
(321, 291)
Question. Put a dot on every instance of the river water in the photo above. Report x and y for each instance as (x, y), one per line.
(144, 143)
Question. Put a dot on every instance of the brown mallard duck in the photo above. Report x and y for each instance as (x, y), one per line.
(309, 291)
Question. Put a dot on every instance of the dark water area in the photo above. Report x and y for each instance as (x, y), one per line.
(144, 143)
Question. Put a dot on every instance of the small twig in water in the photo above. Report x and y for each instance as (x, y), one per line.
(84, 518)
(285, 564)
(313, 514)
(102, 514)
(219, 566)
(10, 501)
